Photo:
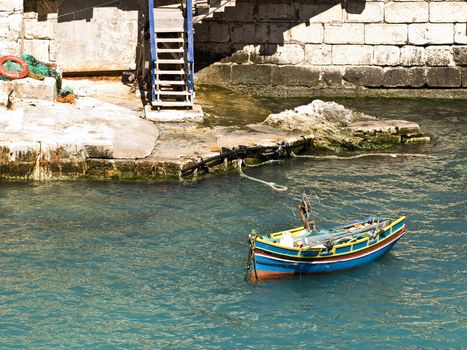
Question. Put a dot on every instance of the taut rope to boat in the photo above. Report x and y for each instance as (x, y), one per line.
(271, 161)
(273, 185)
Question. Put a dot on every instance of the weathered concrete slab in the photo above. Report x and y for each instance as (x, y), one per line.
(107, 90)
(174, 115)
(181, 142)
(92, 128)
(29, 88)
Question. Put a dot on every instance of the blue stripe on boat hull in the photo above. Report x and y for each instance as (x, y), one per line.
(270, 266)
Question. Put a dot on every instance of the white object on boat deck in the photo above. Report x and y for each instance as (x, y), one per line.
(287, 240)
(318, 246)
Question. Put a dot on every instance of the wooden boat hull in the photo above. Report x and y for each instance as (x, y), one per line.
(272, 260)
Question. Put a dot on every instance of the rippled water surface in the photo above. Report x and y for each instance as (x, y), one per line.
(106, 265)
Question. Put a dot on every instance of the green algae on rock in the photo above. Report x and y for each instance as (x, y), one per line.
(332, 126)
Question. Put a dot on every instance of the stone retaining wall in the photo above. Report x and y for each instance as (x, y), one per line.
(11, 14)
(78, 35)
(375, 44)
(96, 39)
(39, 36)
(262, 44)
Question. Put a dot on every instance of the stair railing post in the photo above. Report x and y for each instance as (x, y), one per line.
(189, 31)
(153, 46)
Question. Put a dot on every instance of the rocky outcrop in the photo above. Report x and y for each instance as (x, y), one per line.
(334, 127)
(315, 117)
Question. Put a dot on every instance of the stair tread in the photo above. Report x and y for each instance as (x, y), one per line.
(171, 103)
(170, 82)
(170, 60)
(170, 40)
(174, 72)
(169, 29)
(173, 93)
(174, 50)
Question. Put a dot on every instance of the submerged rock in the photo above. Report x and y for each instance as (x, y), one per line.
(332, 126)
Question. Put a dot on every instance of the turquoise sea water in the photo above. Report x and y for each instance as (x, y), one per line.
(107, 265)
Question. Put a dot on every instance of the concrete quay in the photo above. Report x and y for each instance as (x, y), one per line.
(104, 135)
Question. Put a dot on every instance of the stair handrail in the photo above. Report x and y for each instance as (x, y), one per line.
(222, 4)
(153, 45)
(189, 31)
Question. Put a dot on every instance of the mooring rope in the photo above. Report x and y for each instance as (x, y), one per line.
(392, 155)
(271, 161)
(251, 260)
(273, 185)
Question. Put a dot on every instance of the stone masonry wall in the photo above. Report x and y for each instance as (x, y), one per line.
(107, 42)
(40, 36)
(11, 14)
(79, 36)
(388, 44)
(262, 43)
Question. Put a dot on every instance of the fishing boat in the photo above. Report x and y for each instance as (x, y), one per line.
(343, 247)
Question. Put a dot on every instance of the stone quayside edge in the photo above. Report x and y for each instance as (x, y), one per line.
(35, 165)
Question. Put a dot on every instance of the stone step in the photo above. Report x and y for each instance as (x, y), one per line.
(213, 6)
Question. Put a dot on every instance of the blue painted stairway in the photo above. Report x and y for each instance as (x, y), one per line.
(172, 63)
(172, 53)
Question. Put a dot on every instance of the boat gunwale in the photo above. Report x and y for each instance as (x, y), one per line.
(340, 257)
(293, 231)
(343, 245)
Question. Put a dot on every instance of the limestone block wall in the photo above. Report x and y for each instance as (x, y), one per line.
(291, 43)
(11, 14)
(374, 43)
(39, 37)
(80, 36)
(107, 42)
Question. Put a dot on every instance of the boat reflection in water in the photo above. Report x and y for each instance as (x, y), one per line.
(300, 251)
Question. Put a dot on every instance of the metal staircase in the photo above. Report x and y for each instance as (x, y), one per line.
(172, 52)
(172, 70)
